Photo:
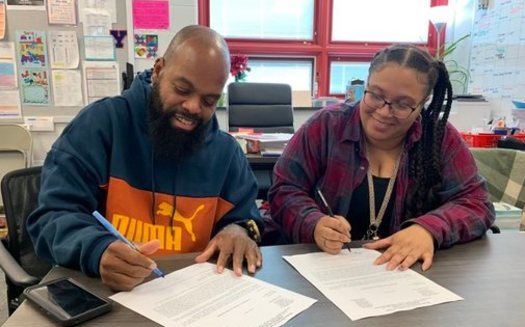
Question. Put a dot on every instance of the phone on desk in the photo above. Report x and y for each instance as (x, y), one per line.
(67, 301)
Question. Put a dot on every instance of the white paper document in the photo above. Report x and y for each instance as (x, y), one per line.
(198, 296)
(10, 104)
(99, 48)
(361, 289)
(63, 49)
(67, 88)
(62, 12)
(101, 79)
(109, 6)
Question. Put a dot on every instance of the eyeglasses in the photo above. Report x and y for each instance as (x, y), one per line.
(399, 109)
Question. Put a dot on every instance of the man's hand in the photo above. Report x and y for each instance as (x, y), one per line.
(405, 248)
(331, 233)
(122, 268)
(233, 241)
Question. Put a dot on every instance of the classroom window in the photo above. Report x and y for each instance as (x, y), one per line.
(328, 31)
(295, 72)
(263, 19)
(380, 21)
(342, 72)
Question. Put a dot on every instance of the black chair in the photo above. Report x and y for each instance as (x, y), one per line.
(263, 107)
(17, 255)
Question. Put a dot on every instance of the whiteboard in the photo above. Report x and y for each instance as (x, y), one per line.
(497, 57)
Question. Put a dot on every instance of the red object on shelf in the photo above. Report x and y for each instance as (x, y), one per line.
(519, 136)
(481, 140)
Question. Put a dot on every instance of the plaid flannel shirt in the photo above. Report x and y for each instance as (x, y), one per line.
(328, 152)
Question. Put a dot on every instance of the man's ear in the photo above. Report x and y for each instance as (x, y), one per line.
(157, 68)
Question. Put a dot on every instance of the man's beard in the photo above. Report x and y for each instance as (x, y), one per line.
(170, 142)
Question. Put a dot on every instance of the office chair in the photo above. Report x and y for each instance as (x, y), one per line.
(16, 138)
(17, 256)
(15, 149)
(263, 107)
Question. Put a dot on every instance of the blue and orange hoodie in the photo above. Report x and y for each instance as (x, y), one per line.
(104, 161)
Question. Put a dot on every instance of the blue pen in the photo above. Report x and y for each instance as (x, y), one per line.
(107, 225)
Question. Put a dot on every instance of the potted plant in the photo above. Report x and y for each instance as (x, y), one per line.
(459, 75)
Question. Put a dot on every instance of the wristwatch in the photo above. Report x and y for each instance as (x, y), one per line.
(251, 227)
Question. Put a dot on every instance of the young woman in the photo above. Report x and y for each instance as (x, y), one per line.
(390, 167)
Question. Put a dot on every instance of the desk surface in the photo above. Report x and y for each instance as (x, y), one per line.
(488, 273)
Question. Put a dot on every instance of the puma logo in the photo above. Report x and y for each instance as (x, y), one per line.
(167, 209)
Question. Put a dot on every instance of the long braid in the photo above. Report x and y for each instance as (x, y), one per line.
(433, 132)
(424, 157)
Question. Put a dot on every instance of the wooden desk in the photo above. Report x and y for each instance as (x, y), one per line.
(488, 273)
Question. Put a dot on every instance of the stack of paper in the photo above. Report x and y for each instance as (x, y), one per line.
(507, 216)
(266, 143)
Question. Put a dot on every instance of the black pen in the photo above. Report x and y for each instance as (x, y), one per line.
(330, 212)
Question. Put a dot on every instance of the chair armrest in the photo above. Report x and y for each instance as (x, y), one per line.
(14, 272)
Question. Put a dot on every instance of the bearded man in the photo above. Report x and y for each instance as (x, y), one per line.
(155, 163)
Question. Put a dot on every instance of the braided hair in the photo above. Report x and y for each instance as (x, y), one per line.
(424, 157)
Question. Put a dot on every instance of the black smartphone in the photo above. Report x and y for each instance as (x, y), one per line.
(68, 301)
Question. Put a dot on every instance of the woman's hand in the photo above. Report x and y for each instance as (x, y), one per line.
(331, 233)
(405, 247)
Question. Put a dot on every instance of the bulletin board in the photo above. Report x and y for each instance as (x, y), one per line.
(152, 40)
(37, 20)
(497, 58)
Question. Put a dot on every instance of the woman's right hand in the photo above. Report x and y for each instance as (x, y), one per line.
(331, 233)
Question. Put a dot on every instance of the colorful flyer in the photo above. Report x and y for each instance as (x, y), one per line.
(32, 48)
(151, 15)
(146, 46)
(34, 83)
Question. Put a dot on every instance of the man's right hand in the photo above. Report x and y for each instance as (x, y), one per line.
(331, 233)
(122, 268)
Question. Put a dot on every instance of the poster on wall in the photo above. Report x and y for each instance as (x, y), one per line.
(63, 49)
(96, 22)
(101, 79)
(34, 84)
(146, 46)
(7, 65)
(32, 48)
(61, 12)
(2, 19)
(67, 88)
(109, 6)
(10, 104)
(151, 15)
(99, 48)
(26, 5)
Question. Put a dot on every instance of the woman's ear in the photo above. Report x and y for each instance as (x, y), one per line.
(157, 68)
